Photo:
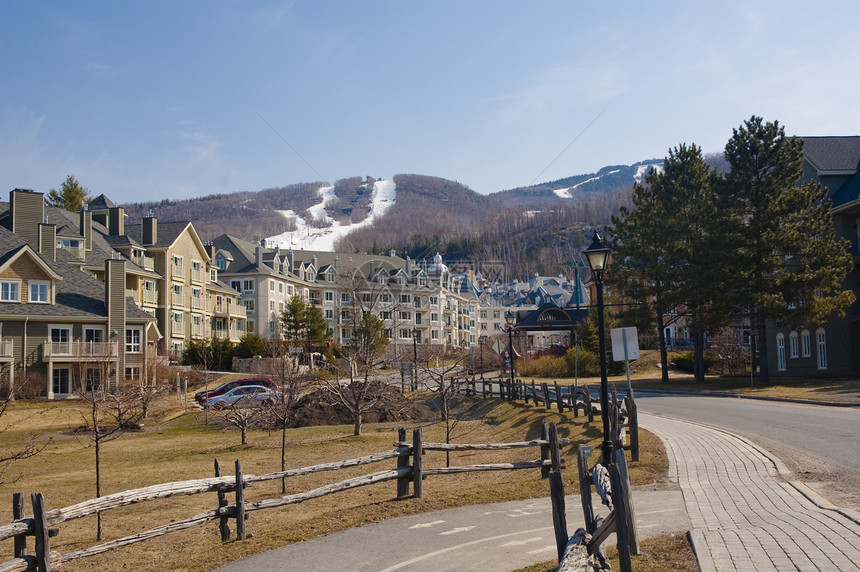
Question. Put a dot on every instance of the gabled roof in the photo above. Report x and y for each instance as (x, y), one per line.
(833, 155)
(9, 258)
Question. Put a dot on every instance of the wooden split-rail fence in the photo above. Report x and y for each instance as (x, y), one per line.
(583, 551)
(623, 415)
(409, 469)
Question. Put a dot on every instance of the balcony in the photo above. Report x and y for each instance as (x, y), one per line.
(80, 351)
(196, 303)
(150, 297)
(133, 294)
(148, 263)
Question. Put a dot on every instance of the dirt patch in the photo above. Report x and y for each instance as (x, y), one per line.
(322, 407)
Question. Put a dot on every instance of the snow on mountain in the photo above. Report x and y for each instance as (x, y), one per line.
(643, 170)
(310, 237)
(563, 193)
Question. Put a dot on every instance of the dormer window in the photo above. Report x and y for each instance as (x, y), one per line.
(39, 292)
(10, 291)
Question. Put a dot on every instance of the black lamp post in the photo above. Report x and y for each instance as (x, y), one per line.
(510, 318)
(414, 359)
(598, 257)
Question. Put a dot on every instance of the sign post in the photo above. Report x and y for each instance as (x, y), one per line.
(625, 346)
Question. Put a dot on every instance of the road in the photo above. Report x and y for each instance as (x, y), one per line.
(818, 443)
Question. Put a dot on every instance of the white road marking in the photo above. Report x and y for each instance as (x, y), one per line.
(544, 549)
(427, 524)
(523, 542)
(412, 561)
(457, 530)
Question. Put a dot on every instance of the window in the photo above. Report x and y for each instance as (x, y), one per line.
(434, 300)
(177, 261)
(271, 305)
(132, 340)
(280, 287)
(271, 285)
(95, 335)
(805, 350)
(405, 315)
(196, 265)
(132, 373)
(404, 333)
(213, 275)
(405, 298)
(422, 281)
(821, 348)
(62, 380)
(39, 292)
(385, 298)
(60, 339)
(434, 317)
(249, 306)
(290, 290)
(221, 262)
(328, 296)
(177, 289)
(10, 291)
(780, 352)
(792, 345)
(434, 334)
(247, 286)
(329, 314)
(385, 315)
(366, 297)
(345, 297)
(177, 317)
(236, 285)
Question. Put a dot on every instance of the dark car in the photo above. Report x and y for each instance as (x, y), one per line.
(202, 397)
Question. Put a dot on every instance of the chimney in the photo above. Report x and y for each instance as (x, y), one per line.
(48, 241)
(408, 266)
(115, 305)
(149, 230)
(392, 253)
(210, 250)
(314, 261)
(87, 228)
(116, 221)
(258, 255)
(28, 211)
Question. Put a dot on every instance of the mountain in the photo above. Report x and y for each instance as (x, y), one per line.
(532, 229)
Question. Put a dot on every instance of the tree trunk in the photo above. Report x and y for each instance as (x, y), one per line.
(244, 430)
(283, 455)
(699, 356)
(357, 426)
(664, 353)
(761, 340)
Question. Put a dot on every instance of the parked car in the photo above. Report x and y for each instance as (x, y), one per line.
(243, 396)
(203, 396)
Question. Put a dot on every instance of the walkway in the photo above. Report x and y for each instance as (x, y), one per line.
(745, 514)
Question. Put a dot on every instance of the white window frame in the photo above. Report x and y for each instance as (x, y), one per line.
(248, 285)
(780, 352)
(821, 349)
(134, 345)
(10, 291)
(56, 388)
(39, 285)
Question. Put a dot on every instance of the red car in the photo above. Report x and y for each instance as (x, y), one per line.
(202, 397)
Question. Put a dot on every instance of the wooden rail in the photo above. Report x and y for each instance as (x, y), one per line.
(39, 525)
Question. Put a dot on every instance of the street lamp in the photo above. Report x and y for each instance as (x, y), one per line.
(510, 318)
(598, 256)
(414, 359)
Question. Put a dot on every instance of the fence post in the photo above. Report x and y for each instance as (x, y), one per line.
(556, 487)
(619, 506)
(18, 514)
(223, 527)
(43, 545)
(417, 454)
(633, 423)
(545, 388)
(240, 503)
(632, 534)
(582, 455)
(559, 399)
(402, 461)
(544, 450)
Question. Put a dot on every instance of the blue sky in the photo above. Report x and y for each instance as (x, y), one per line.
(179, 99)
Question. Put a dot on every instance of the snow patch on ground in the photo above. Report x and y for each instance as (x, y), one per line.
(563, 193)
(308, 237)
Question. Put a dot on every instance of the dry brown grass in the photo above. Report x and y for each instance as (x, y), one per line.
(669, 552)
(177, 446)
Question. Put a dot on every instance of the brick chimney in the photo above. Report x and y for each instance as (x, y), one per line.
(149, 230)
(28, 211)
(48, 241)
(116, 221)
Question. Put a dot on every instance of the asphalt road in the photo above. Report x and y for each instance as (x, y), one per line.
(821, 444)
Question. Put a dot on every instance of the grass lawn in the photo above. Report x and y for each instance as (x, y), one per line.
(178, 445)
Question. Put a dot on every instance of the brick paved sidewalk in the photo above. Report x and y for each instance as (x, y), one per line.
(745, 512)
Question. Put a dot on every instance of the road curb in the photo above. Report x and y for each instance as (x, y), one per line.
(740, 396)
(701, 551)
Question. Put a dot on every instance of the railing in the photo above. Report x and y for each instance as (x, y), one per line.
(148, 263)
(196, 303)
(129, 293)
(150, 297)
(178, 299)
(196, 275)
(80, 350)
(404, 473)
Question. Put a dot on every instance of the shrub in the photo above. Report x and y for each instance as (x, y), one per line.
(589, 363)
(544, 366)
(684, 360)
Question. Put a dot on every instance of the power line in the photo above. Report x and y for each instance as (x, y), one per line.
(299, 155)
(565, 149)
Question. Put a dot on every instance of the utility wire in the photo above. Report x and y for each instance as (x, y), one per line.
(565, 149)
(299, 155)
